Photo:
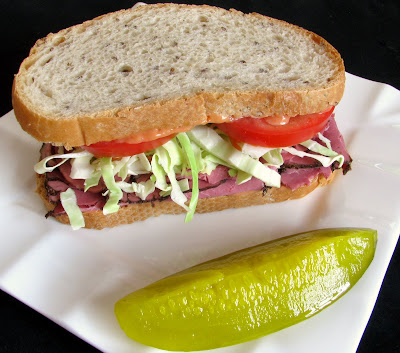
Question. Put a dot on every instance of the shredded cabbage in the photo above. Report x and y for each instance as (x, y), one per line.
(135, 165)
(327, 156)
(325, 140)
(115, 194)
(175, 153)
(81, 168)
(142, 189)
(159, 174)
(120, 165)
(274, 157)
(242, 177)
(232, 172)
(93, 180)
(209, 140)
(41, 167)
(183, 184)
(187, 147)
(166, 157)
(325, 161)
(255, 151)
(68, 201)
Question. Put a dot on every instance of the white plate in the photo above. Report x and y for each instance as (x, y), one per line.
(75, 278)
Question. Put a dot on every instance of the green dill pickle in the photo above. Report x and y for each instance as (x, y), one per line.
(248, 294)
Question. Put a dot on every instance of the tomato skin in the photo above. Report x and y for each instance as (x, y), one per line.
(258, 132)
(119, 148)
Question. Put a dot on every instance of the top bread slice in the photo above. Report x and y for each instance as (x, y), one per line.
(168, 66)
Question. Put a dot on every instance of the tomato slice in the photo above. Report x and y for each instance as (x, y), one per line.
(259, 132)
(120, 148)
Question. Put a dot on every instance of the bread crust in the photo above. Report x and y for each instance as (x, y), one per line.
(188, 111)
(141, 211)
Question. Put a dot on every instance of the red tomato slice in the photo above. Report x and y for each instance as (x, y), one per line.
(258, 132)
(119, 148)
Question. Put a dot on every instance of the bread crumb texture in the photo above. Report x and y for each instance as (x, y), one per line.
(161, 52)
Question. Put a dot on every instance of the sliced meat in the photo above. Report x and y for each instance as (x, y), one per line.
(57, 185)
(293, 178)
(218, 174)
(291, 161)
(228, 187)
(46, 150)
(79, 184)
(332, 133)
(65, 170)
(87, 201)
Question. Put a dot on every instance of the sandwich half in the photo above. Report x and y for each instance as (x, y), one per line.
(167, 108)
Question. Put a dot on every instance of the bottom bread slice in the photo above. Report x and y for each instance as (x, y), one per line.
(140, 211)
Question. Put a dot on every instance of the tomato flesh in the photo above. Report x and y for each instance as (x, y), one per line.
(258, 132)
(119, 148)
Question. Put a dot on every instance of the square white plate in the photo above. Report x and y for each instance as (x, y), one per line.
(75, 277)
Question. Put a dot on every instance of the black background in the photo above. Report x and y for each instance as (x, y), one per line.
(366, 33)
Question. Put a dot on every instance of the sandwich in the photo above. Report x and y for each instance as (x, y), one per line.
(167, 109)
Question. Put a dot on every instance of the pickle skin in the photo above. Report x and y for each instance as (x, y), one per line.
(249, 293)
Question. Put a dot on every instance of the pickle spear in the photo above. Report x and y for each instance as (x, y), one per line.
(249, 293)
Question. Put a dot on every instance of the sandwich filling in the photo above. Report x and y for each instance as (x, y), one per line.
(203, 162)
